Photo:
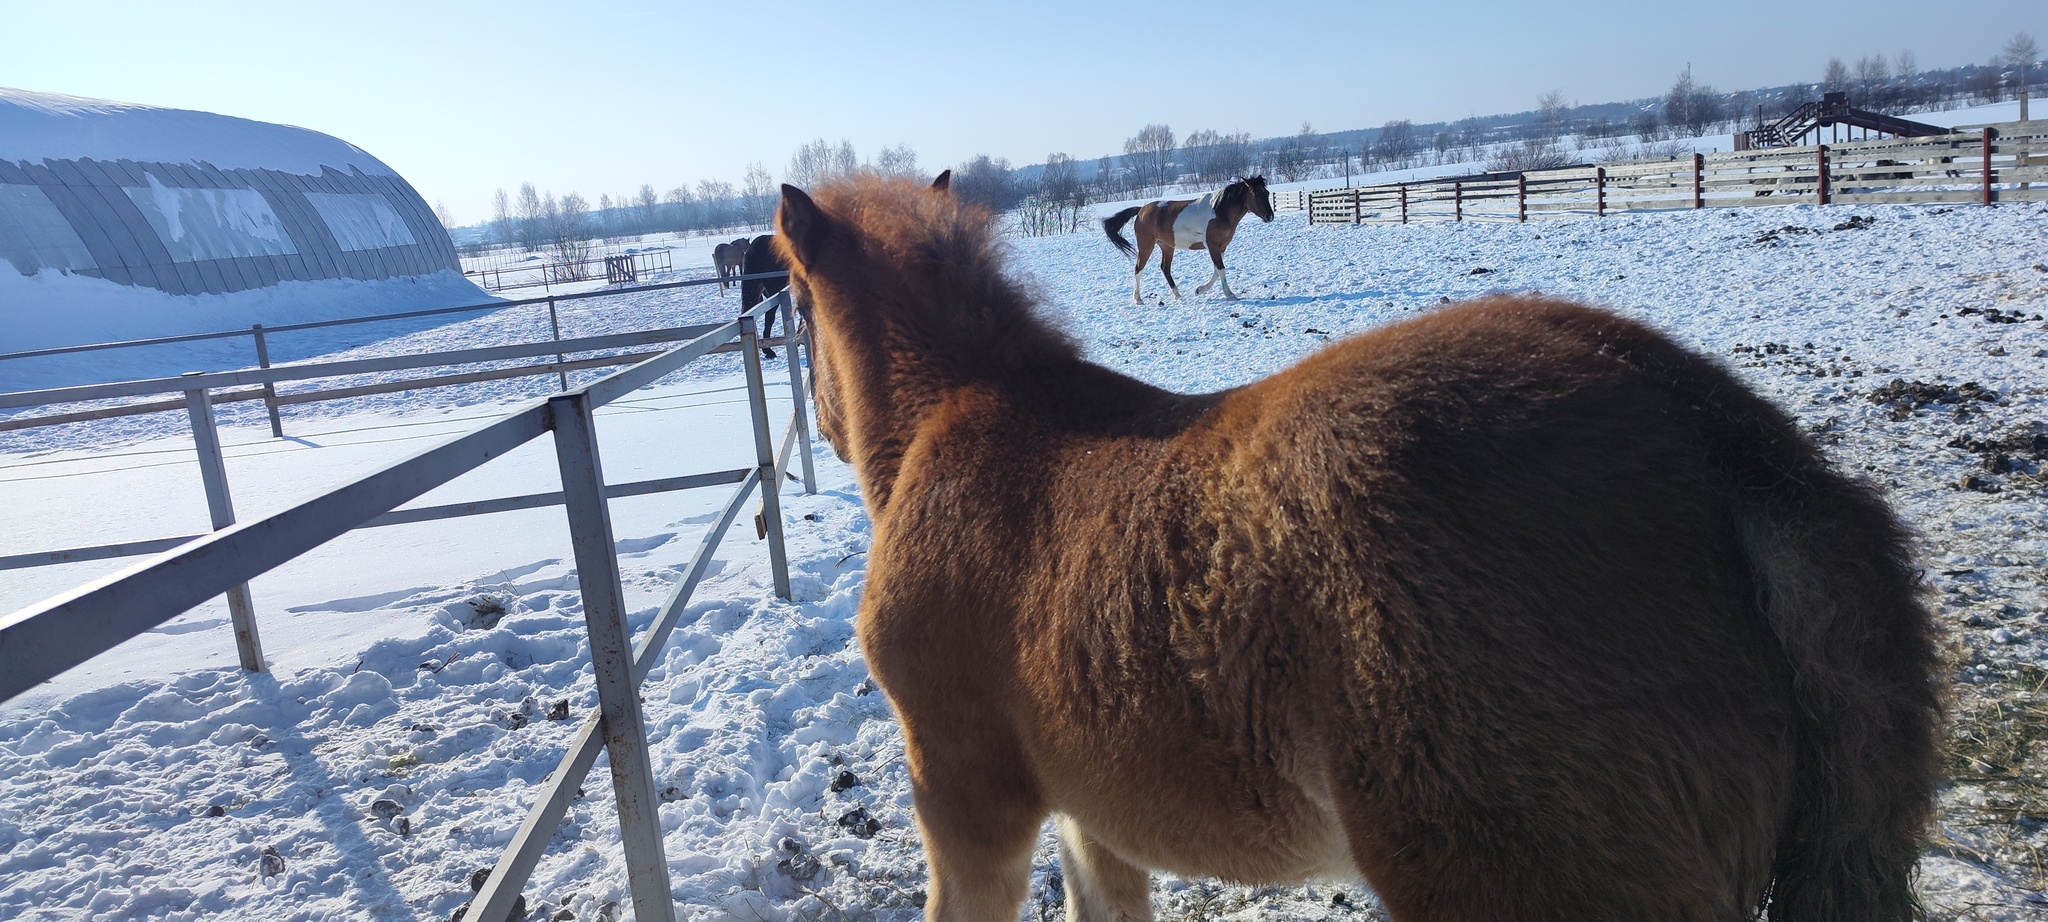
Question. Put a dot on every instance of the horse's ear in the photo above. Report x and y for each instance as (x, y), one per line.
(801, 223)
(944, 183)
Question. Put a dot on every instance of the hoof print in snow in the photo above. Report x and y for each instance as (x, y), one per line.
(272, 863)
(845, 781)
(563, 914)
(1479, 270)
(858, 822)
(385, 808)
(1339, 899)
(560, 711)
(671, 794)
(216, 811)
(513, 720)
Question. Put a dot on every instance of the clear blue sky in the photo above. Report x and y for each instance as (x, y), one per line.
(464, 98)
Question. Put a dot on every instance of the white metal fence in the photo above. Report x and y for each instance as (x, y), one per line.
(45, 639)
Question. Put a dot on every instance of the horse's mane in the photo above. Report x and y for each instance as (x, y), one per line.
(936, 274)
(1238, 192)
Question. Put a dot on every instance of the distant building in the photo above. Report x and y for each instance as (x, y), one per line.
(197, 203)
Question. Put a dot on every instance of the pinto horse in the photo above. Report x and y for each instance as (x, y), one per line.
(728, 258)
(1516, 610)
(1207, 223)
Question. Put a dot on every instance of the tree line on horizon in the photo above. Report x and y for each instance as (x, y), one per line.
(1052, 197)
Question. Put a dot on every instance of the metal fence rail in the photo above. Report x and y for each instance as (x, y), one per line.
(45, 639)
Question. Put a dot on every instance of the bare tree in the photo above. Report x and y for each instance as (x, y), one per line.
(1836, 77)
(1691, 107)
(1550, 113)
(502, 232)
(1216, 157)
(531, 213)
(2021, 53)
(985, 181)
(1396, 142)
(900, 160)
(648, 208)
(759, 199)
(1908, 64)
(1873, 80)
(819, 161)
(1149, 155)
(717, 202)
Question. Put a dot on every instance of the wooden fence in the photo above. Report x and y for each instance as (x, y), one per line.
(1998, 163)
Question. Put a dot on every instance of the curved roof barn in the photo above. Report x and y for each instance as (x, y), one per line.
(196, 203)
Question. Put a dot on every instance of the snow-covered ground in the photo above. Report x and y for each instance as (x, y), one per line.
(150, 783)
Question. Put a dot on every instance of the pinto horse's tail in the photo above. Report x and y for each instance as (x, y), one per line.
(1835, 579)
(1114, 227)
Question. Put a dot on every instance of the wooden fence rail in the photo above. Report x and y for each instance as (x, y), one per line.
(1997, 163)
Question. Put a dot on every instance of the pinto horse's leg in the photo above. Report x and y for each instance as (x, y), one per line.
(1217, 243)
(1166, 267)
(1143, 230)
(1101, 887)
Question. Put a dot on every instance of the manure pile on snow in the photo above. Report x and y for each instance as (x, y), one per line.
(373, 785)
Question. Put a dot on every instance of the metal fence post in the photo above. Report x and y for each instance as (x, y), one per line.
(555, 324)
(1522, 198)
(764, 453)
(1600, 192)
(1404, 203)
(797, 395)
(269, 387)
(213, 472)
(611, 655)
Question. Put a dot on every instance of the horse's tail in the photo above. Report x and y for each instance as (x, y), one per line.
(1114, 227)
(1835, 578)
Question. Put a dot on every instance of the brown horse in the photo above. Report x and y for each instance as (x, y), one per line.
(728, 258)
(1516, 610)
(1207, 223)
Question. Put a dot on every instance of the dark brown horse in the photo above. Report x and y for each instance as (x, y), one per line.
(1517, 610)
(1206, 223)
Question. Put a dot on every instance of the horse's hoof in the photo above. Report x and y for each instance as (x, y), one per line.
(767, 353)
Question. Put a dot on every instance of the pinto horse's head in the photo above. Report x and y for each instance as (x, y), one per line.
(1261, 200)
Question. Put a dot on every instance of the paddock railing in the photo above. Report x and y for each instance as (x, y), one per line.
(47, 638)
(1997, 163)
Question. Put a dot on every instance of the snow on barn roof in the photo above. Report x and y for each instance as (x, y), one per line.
(36, 126)
(192, 203)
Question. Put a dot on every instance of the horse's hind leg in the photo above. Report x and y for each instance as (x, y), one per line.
(1144, 256)
(1101, 887)
(979, 815)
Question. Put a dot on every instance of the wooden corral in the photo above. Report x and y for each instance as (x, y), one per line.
(1950, 168)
